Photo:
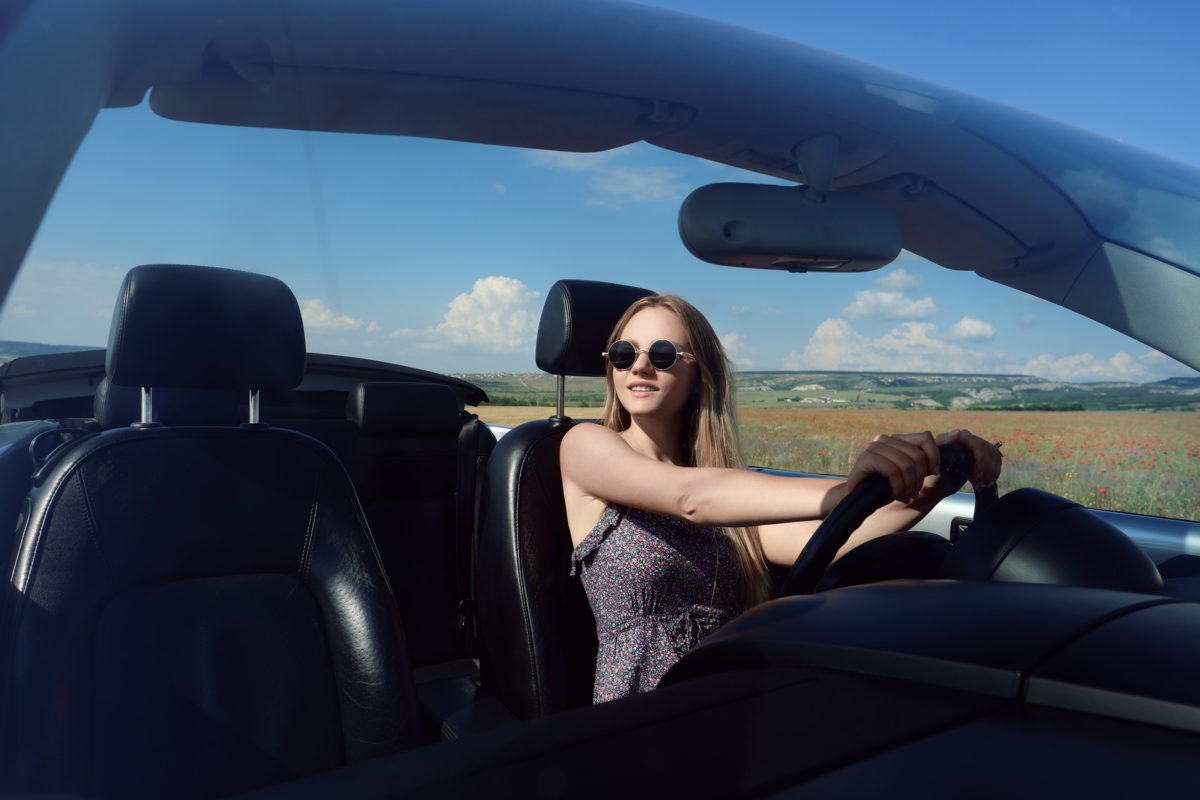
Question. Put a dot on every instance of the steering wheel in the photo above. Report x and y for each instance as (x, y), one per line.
(873, 493)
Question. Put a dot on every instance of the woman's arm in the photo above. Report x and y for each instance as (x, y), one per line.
(598, 466)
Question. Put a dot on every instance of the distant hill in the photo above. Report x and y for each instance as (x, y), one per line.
(1179, 383)
(883, 390)
(11, 350)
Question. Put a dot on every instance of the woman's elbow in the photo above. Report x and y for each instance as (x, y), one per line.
(691, 505)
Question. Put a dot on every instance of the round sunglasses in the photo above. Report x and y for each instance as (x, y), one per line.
(662, 354)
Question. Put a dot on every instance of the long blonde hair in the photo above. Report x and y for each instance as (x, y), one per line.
(710, 435)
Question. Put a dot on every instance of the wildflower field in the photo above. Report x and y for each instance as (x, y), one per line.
(1139, 462)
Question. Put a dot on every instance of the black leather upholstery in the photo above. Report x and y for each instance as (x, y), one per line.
(204, 327)
(537, 632)
(417, 459)
(405, 409)
(576, 320)
(197, 611)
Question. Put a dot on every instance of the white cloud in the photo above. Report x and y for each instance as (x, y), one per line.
(572, 162)
(898, 280)
(765, 311)
(1150, 366)
(496, 316)
(738, 350)
(638, 184)
(971, 328)
(320, 318)
(61, 302)
(614, 183)
(870, 304)
(500, 188)
(909, 347)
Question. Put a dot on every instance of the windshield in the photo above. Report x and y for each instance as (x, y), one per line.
(437, 255)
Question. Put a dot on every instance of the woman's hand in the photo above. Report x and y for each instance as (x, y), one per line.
(905, 459)
(910, 463)
(985, 455)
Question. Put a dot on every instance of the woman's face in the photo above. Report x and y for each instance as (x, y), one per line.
(646, 392)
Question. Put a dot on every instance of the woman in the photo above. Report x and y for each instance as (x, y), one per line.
(671, 533)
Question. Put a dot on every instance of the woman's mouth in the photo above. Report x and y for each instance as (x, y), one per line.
(643, 388)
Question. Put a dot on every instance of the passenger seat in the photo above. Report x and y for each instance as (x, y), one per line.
(198, 611)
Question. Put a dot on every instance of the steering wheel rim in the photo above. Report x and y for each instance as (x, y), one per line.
(870, 495)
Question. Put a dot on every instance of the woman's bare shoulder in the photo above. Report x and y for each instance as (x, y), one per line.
(587, 435)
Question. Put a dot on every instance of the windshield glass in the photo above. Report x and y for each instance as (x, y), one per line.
(437, 255)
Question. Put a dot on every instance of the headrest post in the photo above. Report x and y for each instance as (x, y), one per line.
(147, 404)
(254, 408)
(561, 400)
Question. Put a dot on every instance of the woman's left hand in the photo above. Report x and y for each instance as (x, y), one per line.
(984, 454)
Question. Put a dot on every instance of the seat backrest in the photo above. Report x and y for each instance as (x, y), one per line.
(416, 458)
(198, 611)
(537, 632)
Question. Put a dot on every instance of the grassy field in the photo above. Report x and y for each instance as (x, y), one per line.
(1140, 462)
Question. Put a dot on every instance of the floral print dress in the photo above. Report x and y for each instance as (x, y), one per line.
(657, 586)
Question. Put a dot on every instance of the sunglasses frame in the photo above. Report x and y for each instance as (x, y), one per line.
(638, 351)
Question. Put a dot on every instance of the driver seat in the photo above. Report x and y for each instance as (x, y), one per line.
(537, 634)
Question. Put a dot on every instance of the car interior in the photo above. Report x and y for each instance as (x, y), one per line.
(240, 568)
(210, 583)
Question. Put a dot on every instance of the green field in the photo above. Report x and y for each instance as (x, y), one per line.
(1138, 462)
(882, 390)
(1134, 447)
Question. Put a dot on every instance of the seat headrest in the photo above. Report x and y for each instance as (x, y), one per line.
(117, 406)
(576, 320)
(205, 328)
(405, 409)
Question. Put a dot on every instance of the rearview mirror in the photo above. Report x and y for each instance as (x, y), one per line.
(791, 228)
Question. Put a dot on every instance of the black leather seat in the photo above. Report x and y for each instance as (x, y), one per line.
(198, 611)
(537, 632)
(416, 458)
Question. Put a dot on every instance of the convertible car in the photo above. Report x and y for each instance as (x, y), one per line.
(240, 568)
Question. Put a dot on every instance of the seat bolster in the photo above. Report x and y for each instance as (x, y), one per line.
(538, 636)
(347, 576)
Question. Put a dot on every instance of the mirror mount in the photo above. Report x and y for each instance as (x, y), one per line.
(817, 160)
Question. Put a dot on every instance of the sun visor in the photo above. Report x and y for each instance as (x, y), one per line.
(266, 95)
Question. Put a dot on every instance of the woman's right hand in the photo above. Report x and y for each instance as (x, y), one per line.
(905, 459)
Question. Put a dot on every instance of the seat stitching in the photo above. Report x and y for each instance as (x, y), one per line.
(91, 521)
(310, 533)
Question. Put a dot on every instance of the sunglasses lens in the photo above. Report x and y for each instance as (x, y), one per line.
(621, 355)
(663, 354)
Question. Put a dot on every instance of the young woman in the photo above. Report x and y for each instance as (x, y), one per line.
(672, 534)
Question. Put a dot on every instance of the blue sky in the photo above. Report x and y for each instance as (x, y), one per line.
(437, 254)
